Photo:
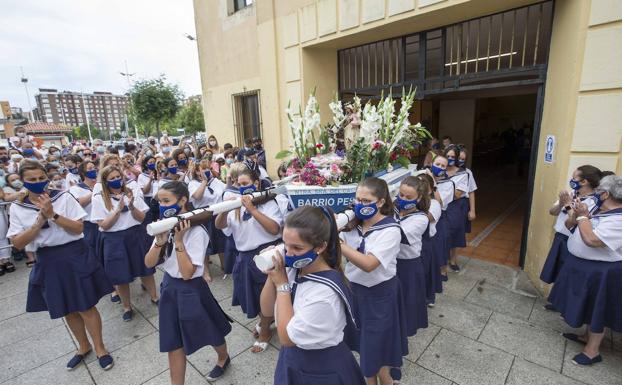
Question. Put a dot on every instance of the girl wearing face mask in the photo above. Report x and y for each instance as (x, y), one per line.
(67, 280)
(147, 182)
(371, 250)
(169, 172)
(254, 228)
(182, 157)
(29, 152)
(434, 149)
(582, 184)
(206, 190)
(412, 204)
(307, 282)
(587, 289)
(119, 214)
(83, 192)
(231, 191)
(458, 209)
(472, 186)
(72, 162)
(190, 317)
(446, 193)
(212, 143)
(429, 247)
(224, 169)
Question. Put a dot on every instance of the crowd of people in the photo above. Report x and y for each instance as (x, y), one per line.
(80, 215)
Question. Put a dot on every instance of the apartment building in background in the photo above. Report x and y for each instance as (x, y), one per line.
(103, 110)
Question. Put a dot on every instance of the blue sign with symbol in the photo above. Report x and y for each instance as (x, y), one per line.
(550, 149)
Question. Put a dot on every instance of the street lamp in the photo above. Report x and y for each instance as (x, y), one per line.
(127, 75)
(24, 80)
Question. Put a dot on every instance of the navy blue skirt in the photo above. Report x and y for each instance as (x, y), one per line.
(457, 216)
(555, 260)
(190, 317)
(439, 241)
(380, 315)
(248, 281)
(589, 293)
(431, 270)
(91, 237)
(124, 257)
(411, 274)
(66, 279)
(217, 239)
(231, 253)
(330, 366)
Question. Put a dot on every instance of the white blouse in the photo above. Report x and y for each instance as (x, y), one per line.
(195, 241)
(99, 212)
(608, 228)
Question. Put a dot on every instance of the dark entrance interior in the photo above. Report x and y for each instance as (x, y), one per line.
(481, 82)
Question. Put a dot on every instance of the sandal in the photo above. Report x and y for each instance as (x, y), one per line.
(9, 267)
(257, 331)
(30, 263)
(261, 346)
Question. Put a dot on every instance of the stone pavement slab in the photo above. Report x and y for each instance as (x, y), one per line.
(413, 374)
(419, 343)
(464, 361)
(527, 373)
(550, 319)
(54, 372)
(250, 368)
(459, 316)
(608, 372)
(192, 377)
(525, 340)
(501, 300)
(14, 329)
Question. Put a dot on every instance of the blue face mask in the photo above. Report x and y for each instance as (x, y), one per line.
(29, 152)
(461, 163)
(73, 170)
(182, 162)
(247, 189)
(36, 188)
(300, 261)
(436, 146)
(169, 211)
(575, 185)
(92, 174)
(365, 211)
(172, 170)
(404, 204)
(451, 161)
(115, 184)
(599, 200)
(208, 174)
(437, 171)
(151, 166)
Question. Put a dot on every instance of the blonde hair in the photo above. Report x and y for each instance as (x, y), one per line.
(196, 170)
(235, 170)
(106, 190)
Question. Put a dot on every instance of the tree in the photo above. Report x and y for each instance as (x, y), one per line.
(82, 132)
(190, 117)
(154, 102)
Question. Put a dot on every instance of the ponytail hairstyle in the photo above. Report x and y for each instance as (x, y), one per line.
(316, 226)
(180, 190)
(591, 174)
(430, 182)
(106, 193)
(380, 190)
(421, 186)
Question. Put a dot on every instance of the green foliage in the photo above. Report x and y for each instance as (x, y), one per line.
(283, 154)
(190, 117)
(357, 162)
(82, 132)
(154, 102)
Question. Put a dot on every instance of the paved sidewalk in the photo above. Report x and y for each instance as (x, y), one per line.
(488, 327)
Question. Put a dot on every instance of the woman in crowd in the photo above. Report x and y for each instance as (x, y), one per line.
(212, 144)
(205, 190)
(72, 162)
(472, 186)
(434, 149)
(458, 209)
(313, 303)
(583, 182)
(587, 289)
(190, 318)
(446, 192)
(83, 192)
(432, 268)
(67, 280)
(253, 228)
(182, 158)
(371, 250)
(119, 214)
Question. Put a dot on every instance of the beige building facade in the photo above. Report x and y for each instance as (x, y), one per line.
(258, 57)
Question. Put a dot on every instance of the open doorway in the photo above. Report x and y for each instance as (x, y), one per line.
(496, 126)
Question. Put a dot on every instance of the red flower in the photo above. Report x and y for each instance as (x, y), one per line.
(393, 156)
(319, 146)
(376, 145)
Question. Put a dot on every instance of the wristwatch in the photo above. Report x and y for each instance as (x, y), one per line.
(55, 217)
(284, 288)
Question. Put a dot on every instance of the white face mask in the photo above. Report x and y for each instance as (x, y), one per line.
(21, 134)
(212, 143)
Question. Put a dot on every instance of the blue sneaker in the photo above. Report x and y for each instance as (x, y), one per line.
(76, 360)
(106, 362)
(582, 359)
(218, 371)
(128, 315)
(115, 298)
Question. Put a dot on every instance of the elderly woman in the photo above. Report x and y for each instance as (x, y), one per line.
(587, 290)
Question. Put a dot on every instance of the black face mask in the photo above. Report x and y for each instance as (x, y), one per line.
(4, 159)
(152, 142)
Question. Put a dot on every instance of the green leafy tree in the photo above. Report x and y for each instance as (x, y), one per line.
(190, 117)
(154, 102)
(82, 132)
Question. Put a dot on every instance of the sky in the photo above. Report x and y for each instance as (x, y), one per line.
(81, 45)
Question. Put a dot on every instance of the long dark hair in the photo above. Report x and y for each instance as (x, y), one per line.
(591, 174)
(380, 190)
(316, 226)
